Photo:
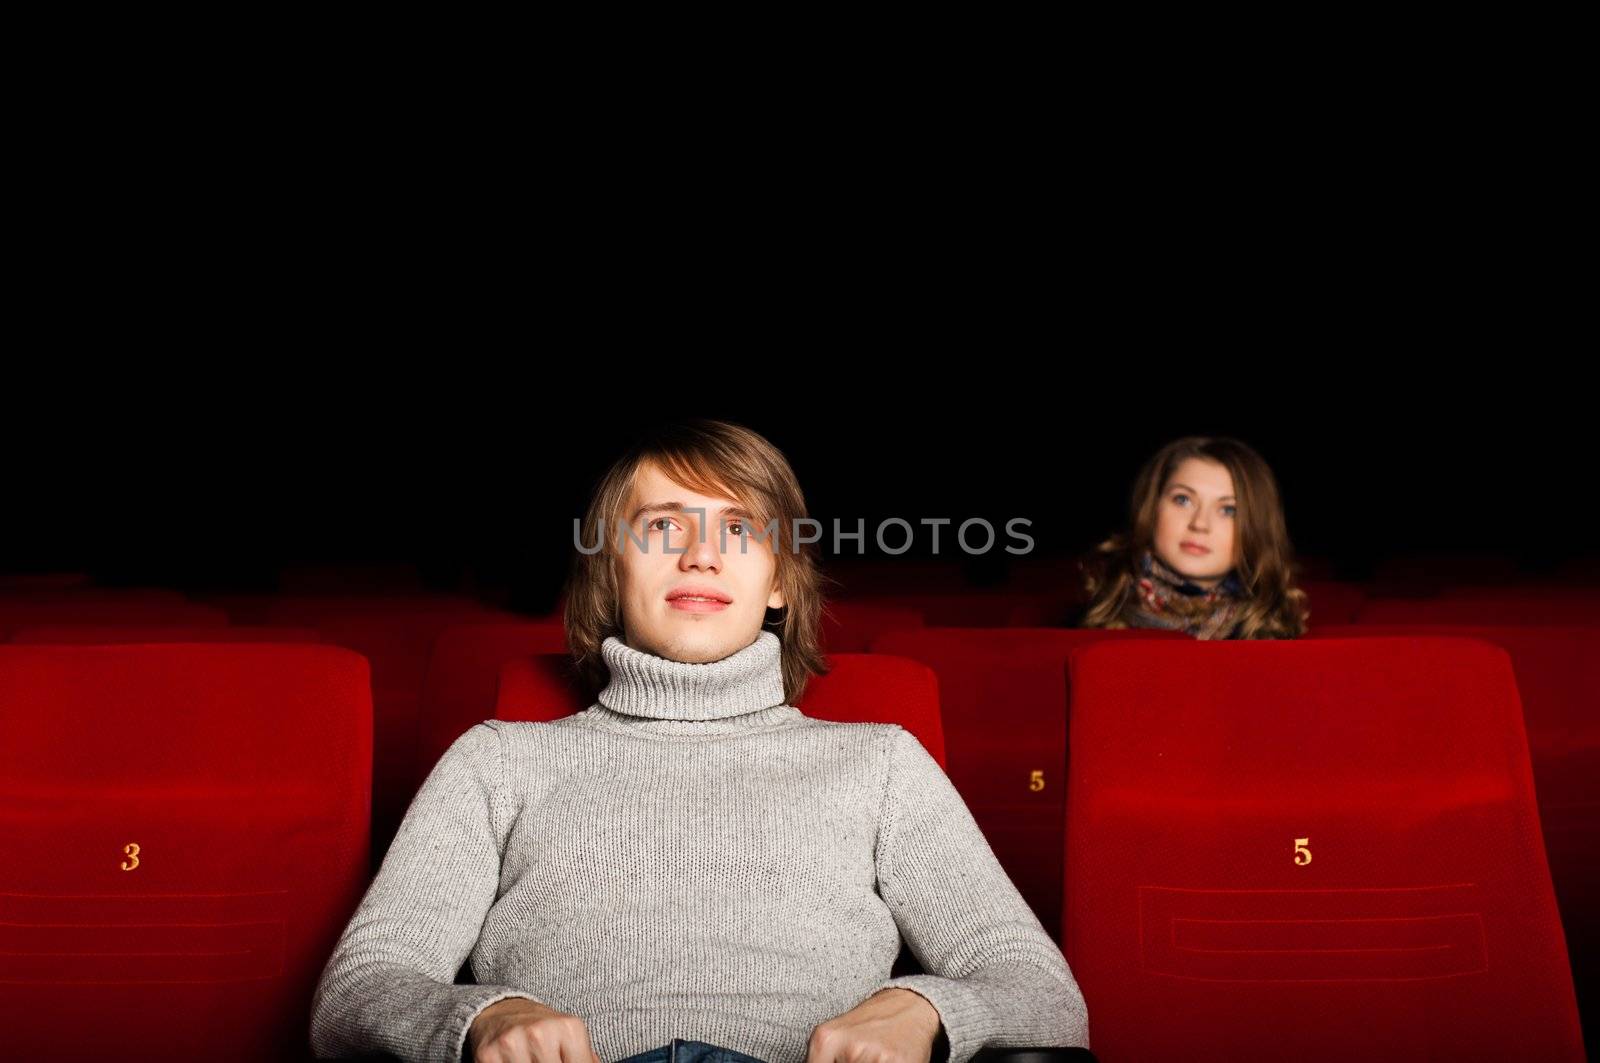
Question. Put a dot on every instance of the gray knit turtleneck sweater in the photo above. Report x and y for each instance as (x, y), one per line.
(690, 857)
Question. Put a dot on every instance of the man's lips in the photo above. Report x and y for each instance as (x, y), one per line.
(696, 605)
(697, 598)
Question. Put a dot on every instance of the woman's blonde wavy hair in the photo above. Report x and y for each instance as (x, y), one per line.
(714, 458)
(1274, 607)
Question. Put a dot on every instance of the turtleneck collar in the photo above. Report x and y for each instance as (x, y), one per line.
(648, 687)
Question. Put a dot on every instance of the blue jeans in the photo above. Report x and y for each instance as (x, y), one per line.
(681, 1051)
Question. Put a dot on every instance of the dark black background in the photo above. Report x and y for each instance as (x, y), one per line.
(372, 356)
(476, 470)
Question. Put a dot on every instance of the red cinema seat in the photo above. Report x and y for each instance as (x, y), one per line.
(1003, 696)
(186, 835)
(398, 643)
(1410, 575)
(1519, 606)
(307, 609)
(859, 577)
(463, 680)
(879, 688)
(850, 627)
(1558, 676)
(1528, 590)
(859, 688)
(984, 608)
(91, 634)
(23, 611)
(1331, 602)
(540, 688)
(1325, 849)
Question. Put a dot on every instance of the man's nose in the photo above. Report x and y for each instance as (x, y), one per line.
(701, 550)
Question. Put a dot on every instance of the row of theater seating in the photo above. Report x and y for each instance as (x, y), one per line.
(994, 705)
(429, 685)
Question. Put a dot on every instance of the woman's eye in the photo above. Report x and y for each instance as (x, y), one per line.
(1180, 498)
(1229, 510)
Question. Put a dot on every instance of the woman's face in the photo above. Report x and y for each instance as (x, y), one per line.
(1195, 521)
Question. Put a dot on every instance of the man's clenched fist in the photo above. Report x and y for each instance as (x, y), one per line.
(518, 1030)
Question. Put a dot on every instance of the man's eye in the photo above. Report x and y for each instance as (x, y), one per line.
(650, 525)
(736, 527)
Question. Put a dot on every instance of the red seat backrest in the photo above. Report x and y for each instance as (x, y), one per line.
(397, 643)
(1558, 677)
(1521, 606)
(850, 627)
(1332, 602)
(105, 634)
(1320, 848)
(186, 835)
(1003, 696)
(21, 612)
(463, 680)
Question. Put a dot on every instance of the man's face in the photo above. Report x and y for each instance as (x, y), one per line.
(1195, 522)
(656, 617)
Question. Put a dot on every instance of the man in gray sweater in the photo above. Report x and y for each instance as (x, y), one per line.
(692, 857)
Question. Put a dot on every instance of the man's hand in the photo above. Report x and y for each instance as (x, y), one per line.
(891, 1026)
(517, 1030)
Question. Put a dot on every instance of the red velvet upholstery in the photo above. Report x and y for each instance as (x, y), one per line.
(984, 608)
(1527, 588)
(540, 688)
(463, 679)
(1558, 677)
(1408, 575)
(241, 773)
(301, 609)
(860, 577)
(1002, 692)
(1497, 608)
(90, 608)
(1332, 602)
(878, 688)
(860, 688)
(850, 627)
(397, 642)
(1423, 924)
(106, 634)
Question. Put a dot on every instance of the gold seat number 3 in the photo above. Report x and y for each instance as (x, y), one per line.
(132, 850)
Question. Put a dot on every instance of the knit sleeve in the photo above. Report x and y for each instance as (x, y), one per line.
(388, 986)
(993, 973)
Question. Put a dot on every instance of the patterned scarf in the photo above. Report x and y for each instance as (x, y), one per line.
(1164, 598)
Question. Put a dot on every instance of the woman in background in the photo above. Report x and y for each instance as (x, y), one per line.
(1206, 552)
